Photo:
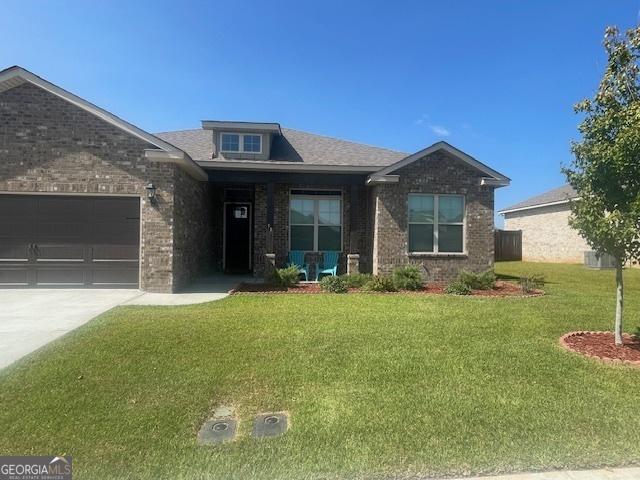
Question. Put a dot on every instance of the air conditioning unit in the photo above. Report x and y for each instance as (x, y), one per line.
(592, 260)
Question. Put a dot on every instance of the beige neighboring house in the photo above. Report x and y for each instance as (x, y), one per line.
(544, 222)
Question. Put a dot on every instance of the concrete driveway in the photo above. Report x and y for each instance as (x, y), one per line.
(30, 319)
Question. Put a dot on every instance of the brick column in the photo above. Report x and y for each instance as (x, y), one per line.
(270, 264)
(353, 263)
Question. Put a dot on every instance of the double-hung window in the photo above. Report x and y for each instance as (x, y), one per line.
(436, 223)
(315, 221)
(240, 143)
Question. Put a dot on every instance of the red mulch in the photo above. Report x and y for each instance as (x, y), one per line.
(502, 289)
(601, 345)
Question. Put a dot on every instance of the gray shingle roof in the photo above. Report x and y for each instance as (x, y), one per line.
(293, 146)
(565, 192)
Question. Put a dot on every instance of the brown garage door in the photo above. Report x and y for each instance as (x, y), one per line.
(65, 241)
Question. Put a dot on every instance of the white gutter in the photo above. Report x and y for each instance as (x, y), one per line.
(540, 205)
(179, 157)
(378, 179)
(284, 167)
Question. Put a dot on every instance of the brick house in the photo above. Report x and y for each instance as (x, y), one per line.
(89, 200)
(544, 222)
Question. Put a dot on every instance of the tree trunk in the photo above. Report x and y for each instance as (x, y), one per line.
(619, 304)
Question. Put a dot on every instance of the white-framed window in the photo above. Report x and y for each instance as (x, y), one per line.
(252, 143)
(315, 221)
(436, 223)
(240, 143)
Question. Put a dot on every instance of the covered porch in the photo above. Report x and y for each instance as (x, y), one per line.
(259, 217)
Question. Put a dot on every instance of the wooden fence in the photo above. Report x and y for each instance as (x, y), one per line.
(508, 245)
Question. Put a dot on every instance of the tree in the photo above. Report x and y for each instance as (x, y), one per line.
(606, 169)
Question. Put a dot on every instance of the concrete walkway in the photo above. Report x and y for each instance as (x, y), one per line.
(601, 474)
(207, 289)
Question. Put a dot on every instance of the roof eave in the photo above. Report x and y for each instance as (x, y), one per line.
(539, 205)
(180, 158)
(494, 178)
(266, 127)
(285, 167)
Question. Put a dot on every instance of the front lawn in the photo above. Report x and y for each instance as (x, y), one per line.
(375, 385)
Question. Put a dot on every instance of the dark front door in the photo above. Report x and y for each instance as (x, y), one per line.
(237, 237)
(66, 241)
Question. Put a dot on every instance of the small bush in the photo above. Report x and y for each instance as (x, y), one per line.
(407, 278)
(285, 277)
(478, 281)
(333, 284)
(380, 283)
(531, 282)
(356, 280)
(458, 288)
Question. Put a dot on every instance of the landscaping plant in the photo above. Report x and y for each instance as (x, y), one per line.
(458, 288)
(356, 280)
(478, 281)
(407, 278)
(285, 277)
(531, 282)
(380, 283)
(333, 284)
(606, 169)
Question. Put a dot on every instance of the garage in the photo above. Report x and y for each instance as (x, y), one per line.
(49, 241)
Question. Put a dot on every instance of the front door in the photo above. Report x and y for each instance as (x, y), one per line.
(237, 237)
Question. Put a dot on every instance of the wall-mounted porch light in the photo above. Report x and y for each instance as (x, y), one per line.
(151, 192)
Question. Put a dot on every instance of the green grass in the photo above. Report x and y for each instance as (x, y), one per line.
(375, 385)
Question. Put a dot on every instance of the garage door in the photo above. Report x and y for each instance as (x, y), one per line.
(64, 241)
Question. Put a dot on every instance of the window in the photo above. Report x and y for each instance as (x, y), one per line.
(436, 223)
(315, 222)
(230, 142)
(240, 143)
(251, 143)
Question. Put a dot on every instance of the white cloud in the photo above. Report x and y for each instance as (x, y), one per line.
(421, 119)
(439, 130)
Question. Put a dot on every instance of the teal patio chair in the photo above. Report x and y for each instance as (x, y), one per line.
(328, 266)
(296, 258)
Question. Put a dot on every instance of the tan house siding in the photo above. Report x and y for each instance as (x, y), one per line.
(546, 234)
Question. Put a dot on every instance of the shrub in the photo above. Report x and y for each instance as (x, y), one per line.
(380, 283)
(356, 280)
(333, 284)
(531, 282)
(478, 281)
(458, 288)
(285, 277)
(407, 278)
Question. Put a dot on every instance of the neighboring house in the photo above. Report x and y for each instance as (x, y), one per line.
(89, 200)
(544, 222)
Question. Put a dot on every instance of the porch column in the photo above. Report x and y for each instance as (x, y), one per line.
(270, 217)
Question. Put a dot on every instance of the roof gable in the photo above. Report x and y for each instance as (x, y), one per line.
(16, 76)
(493, 177)
(556, 196)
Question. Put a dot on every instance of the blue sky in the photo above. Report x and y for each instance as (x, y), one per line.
(497, 79)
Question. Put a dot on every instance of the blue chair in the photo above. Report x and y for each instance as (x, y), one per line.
(329, 265)
(296, 259)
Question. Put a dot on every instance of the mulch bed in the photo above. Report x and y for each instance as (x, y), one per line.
(600, 345)
(502, 289)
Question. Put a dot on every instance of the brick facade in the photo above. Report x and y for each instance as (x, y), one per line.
(438, 173)
(376, 228)
(48, 145)
(546, 234)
